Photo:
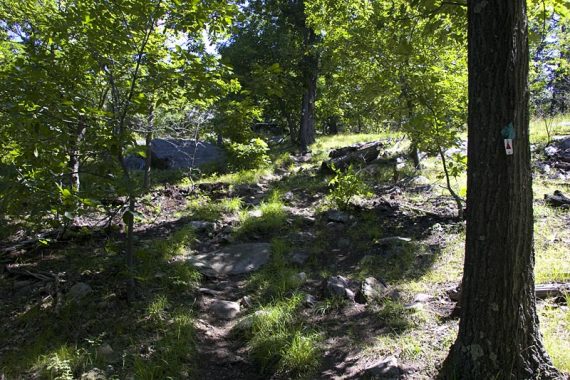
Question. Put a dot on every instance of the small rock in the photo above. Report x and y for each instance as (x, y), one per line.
(454, 293)
(246, 302)
(338, 216)
(106, 352)
(301, 277)
(339, 286)
(422, 298)
(371, 289)
(301, 236)
(394, 295)
(200, 225)
(225, 309)
(420, 181)
(94, 374)
(385, 368)
(309, 300)
(79, 291)
(437, 228)
(299, 258)
(288, 196)
(210, 292)
(256, 213)
(551, 150)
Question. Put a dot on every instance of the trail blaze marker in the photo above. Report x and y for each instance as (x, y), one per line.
(508, 133)
(509, 146)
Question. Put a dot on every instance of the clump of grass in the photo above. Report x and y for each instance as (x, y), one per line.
(203, 208)
(272, 221)
(63, 363)
(555, 328)
(301, 355)
(278, 341)
(366, 230)
(276, 279)
(448, 266)
(540, 131)
(395, 316)
(396, 265)
(330, 304)
(552, 259)
(242, 177)
(172, 355)
(156, 262)
(157, 310)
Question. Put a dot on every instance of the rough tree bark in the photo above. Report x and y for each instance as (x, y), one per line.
(499, 336)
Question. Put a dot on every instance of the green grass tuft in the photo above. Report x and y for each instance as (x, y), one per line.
(273, 219)
(203, 208)
(278, 341)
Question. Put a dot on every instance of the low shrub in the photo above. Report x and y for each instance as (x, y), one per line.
(251, 155)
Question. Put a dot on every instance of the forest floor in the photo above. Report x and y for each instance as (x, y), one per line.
(299, 312)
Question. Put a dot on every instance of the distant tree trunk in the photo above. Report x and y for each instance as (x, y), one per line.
(148, 145)
(310, 72)
(77, 135)
(415, 155)
(499, 335)
(414, 151)
(332, 125)
(292, 125)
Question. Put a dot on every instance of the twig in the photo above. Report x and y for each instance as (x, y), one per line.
(26, 243)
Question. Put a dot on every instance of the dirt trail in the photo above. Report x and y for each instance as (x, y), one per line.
(220, 355)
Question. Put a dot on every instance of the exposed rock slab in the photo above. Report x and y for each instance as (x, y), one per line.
(386, 368)
(232, 260)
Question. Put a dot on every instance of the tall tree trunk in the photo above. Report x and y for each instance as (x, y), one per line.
(310, 70)
(77, 135)
(499, 336)
(148, 146)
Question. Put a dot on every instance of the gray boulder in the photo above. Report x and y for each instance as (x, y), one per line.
(179, 154)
